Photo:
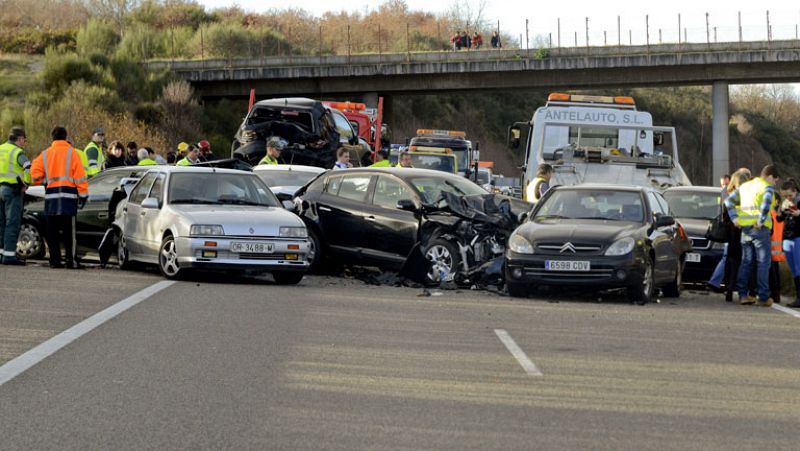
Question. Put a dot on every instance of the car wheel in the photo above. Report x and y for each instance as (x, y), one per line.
(673, 290)
(444, 258)
(643, 293)
(287, 278)
(30, 243)
(122, 252)
(314, 256)
(518, 290)
(168, 258)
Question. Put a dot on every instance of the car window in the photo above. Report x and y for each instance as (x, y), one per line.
(332, 187)
(140, 192)
(285, 178)
(654, 204)
(342, 126)
(101, 186)
(355, 187)
(693, 205)
(593, 204)
(444, 163)
(389, 190)
(220, 188)
(157, 190)
(431, 187)
(663, 203)
(262, 115)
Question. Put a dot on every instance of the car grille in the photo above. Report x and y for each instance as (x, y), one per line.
(579, 248)
(700, 243)
(253, 256)
(567, 275)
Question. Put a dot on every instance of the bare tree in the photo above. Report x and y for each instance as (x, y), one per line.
(115, 10)
(468, 15)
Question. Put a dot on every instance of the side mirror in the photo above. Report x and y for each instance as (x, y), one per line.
(288, 205)
(284, 197)
(514, 133)
(406, 204)
(150, 202)
(522, 217)
(664, 221)
(355, 126)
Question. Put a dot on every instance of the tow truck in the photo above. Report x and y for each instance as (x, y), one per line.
(435, 158)
(454, 140)
(366, 121)
(598, 139)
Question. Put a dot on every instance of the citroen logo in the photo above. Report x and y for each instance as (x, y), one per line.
(567, 247)
(252, 231)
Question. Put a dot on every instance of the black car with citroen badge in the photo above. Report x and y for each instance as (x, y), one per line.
(598, 237)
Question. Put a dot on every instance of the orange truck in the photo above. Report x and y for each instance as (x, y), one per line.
(366, 121)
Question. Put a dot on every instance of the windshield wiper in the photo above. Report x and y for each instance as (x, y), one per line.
(598, 217)
(551, 217)
(242, 202)
(194, 201)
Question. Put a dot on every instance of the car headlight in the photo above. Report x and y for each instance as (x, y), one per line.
(206, 230)
(293, 232)
(519, 244)
(718, 246)
(621, 247)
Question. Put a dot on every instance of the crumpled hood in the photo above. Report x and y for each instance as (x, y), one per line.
(241, 220)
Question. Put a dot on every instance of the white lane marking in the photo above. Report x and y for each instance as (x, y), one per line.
(786, 310)
(518, 353)
(22, 363)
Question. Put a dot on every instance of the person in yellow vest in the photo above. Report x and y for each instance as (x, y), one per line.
(749, 208)
(15, 176)
(275, 146)
(381, 160)
(144, 158)
(405, 160)
(540, 184)
(93, 157)
(192, 156)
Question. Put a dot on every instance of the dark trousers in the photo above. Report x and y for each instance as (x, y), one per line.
(775, 281)
(61, 229)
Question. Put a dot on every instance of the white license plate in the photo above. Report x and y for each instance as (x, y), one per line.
(566, 265)
(693, 257)
(252, 248)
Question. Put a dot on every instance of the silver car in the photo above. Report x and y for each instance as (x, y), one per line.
(189, 217)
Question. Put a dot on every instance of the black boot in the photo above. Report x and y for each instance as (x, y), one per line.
(796, 303)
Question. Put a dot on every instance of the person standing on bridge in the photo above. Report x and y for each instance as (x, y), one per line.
(60, 170)
(15, 176)
(495, 40)
(477, 40)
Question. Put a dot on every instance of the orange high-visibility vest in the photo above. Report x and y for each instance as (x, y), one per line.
(60, 169)
(777, 239)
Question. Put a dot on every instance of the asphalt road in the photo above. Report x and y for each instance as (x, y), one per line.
(336, 364)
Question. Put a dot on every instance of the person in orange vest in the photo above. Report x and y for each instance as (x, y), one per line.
(60, 170)
(777, 254)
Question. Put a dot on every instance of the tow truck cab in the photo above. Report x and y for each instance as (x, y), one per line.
(454, 140)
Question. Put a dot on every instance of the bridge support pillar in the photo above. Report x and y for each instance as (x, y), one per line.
(719, 131)
(370, 99)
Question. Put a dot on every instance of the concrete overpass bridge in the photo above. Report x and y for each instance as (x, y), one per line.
(368, 76)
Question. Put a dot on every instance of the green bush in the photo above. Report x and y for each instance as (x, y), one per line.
(97, 36)
(226, 41)
(32, 41)
(61, 69)
(141, 42)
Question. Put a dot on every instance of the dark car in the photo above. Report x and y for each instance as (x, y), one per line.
(694, 207)
(378, 216)
(599, 237)
(91, 223)
(313, 131)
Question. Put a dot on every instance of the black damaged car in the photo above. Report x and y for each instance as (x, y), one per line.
(694, 207)
(393, 218)
(599, 237)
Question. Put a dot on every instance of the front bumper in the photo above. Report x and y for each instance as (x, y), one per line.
(287, 254)
(605, 272)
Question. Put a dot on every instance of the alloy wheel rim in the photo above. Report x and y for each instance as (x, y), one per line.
(442, 263)
(29, 241)
(121, 249)
(169, 258)
(648, 278)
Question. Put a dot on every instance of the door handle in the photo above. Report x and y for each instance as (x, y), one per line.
(324, 209)
(370, 218)
(102, 215)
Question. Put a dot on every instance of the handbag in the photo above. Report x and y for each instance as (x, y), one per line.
(719, 229)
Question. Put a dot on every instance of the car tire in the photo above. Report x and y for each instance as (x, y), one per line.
(168, 259)
(122, 252)
(673, 289)
(518, 290)
(287, 277)
(445, 260)
(30, 243)
(315, 254)
(643, 293)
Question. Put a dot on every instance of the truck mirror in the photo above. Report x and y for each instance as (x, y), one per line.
(356, 130)
(514, 134)
(477, 145)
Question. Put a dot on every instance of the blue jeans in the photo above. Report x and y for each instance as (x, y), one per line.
(792, 250)
(719, 271)
(10, 220)
(756, 245)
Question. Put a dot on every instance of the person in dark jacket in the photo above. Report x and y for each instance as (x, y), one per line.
(130, 157)
(495, 40)
(116, 156)
(734, 258)
(789, 209)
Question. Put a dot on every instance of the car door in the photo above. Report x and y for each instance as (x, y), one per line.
(662, 239)
(92, 220)
(341, 209)
(389, 233)
(132, 213)
(150, 225)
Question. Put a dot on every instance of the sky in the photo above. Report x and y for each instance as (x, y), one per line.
(543, 21)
